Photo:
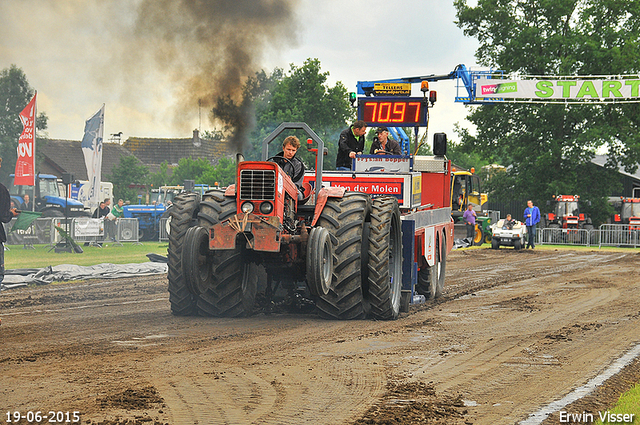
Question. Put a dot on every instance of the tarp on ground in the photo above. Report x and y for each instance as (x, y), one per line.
(64, 272)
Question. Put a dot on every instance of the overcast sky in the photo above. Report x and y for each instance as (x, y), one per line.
(79, 54)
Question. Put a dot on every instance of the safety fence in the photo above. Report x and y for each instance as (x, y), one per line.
(619, 235)
(555, 236)
(81, 229)
(607, 235)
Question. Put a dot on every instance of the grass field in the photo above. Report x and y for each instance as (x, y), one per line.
(42, 256)
(628, 403)
(19, 258)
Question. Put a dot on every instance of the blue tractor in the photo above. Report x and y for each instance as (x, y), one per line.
(47, 198)
(149, 216)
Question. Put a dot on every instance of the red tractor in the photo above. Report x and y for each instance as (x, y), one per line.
(629, 213)
(348, 253)
(566, 214)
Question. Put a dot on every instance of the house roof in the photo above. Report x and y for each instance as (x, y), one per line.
(65, 156)
(154, 151)
(601, 160)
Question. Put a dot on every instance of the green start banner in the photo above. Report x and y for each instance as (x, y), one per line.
(622, 89)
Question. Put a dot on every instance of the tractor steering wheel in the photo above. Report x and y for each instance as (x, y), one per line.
(280, 156)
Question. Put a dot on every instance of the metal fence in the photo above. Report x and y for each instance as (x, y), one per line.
(556, 236)
(619, 235)
(81, 229)
(607, 235)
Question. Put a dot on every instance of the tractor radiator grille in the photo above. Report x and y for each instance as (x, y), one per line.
(258, 184)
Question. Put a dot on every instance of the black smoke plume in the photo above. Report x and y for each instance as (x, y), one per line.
(210, 47)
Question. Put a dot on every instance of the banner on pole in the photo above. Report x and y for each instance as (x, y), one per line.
(554, 89)
(92, 150)
(25, 163)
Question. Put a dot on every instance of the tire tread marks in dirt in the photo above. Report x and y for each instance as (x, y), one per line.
(385, 225)
(344, 219)
(233, 290)
(183, 302)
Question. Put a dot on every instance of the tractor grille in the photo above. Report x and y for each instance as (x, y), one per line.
(258, 184)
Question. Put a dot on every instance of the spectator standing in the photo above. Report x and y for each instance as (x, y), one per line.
(6, 214)
(350, 144)
(117, 210)
(470, 220)
(531, 218)
(101, 211)
(26, 205)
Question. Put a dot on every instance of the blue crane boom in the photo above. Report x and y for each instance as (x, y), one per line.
(465, 79)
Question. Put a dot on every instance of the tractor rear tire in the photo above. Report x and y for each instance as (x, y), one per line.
(183, 301)
(344, 218)
(231, 291)
(385, 259)
(556, 233)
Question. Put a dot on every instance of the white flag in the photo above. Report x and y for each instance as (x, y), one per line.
(92, 150)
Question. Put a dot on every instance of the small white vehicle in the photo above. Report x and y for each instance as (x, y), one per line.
(514, 235)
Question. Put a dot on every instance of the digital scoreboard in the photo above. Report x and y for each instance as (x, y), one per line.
(393, 111)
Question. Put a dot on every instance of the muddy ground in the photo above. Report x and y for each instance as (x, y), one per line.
(513, 332)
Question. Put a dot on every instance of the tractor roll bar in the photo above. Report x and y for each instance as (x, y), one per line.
(297, 126)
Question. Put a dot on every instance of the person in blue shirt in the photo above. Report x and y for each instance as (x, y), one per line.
(531, 218)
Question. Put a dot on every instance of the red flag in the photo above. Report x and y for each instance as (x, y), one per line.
(26, 163)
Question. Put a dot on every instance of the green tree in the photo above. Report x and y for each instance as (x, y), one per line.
(546, 147)
(128, 172)
(15, 94)
(190, 169)
(301, 94)
(162, 177)
(221, 175)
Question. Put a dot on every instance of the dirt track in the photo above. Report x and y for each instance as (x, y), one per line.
(514, 331)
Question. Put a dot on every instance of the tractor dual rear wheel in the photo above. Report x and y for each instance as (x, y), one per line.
(183, 301)
(344, 218)
(385, 259)
(231, 289)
